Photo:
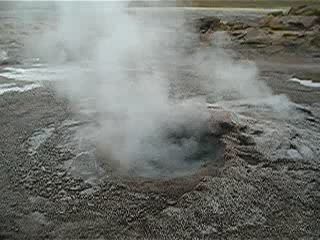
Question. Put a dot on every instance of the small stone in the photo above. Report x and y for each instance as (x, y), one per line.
(306, 152)
(171, 202)
(75, 188)
(311, 119)
(13, 204)
(201, 188)
(88, 191)
(294, 154)
(209, 230)
(61, 174)
(62, 192)
(39, 217)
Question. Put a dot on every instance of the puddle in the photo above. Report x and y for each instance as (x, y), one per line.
(91, 161)
(41, 72)
(306, 83)
(184, 155)
(6, 85)
(12, 87)
(35, 73)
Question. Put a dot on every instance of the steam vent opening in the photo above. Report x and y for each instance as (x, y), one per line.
(180, 152)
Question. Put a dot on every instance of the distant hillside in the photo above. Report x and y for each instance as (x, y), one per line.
(165, 3)
(224, 3)
(253, 3)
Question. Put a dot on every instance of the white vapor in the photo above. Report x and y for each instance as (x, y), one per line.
(131, 60)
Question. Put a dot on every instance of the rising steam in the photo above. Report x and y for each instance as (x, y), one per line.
(132, 64)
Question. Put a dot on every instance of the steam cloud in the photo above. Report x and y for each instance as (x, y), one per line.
(134, 75)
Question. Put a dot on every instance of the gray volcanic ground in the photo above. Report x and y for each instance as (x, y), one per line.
(136, 124)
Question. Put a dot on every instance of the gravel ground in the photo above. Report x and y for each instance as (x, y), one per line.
(266, 185)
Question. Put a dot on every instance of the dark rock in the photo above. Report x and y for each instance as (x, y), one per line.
(276, 13)
(234, 26)
(246, 140)
(238, 34)
(257, 36)
(304, 10)
(206, 37)
(206, 23)
(315, 40)
(293, 34)
(291, 22)
(264, 22)
(222, 122)
(75, 188)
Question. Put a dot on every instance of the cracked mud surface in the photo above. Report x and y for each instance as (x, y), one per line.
(266, 187)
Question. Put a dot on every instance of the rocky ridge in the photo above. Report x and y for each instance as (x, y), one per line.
(297, 29)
